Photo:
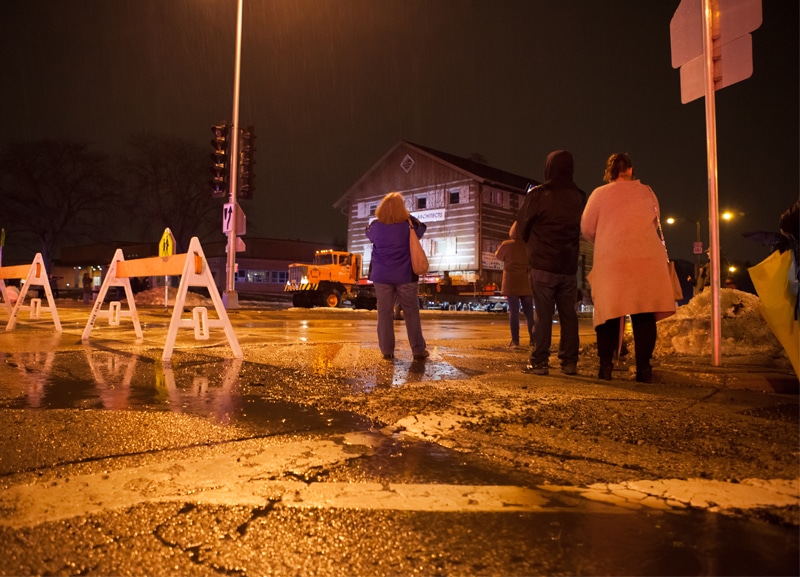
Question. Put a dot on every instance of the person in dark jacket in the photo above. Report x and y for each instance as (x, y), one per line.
(550, 224)
(390, 272)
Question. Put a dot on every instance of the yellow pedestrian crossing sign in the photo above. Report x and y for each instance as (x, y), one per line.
(166, 246)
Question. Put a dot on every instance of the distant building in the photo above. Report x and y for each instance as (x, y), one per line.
(263, 267)
(94, 258)
(468, 207)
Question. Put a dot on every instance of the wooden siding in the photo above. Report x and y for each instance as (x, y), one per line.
(458, 234)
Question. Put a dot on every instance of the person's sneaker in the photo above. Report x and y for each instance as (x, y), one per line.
(569, 369)
(536, 369)
(513, 344)
(388, 357)
(422, 356)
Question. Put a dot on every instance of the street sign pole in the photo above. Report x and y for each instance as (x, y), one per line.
(713, 192)
(717, 56)
(166, 247)
(229, 297)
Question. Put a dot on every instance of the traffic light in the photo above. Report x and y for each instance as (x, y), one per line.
(220, 161)
(247, 147)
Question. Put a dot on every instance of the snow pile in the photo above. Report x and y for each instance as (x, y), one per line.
(155, 296)
(743, 329)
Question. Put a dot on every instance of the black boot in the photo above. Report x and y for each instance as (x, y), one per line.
(605, 370)
(644, 374)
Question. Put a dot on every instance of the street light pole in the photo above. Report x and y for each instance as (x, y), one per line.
(697, 243)
(229, 297)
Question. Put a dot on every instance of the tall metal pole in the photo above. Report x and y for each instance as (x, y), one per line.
(229, 297)
(713, 196)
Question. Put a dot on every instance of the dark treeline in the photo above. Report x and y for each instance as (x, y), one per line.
(57, 193)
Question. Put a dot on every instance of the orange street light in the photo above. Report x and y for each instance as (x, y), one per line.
(730, 215)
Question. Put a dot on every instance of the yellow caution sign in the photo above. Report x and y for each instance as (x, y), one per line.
(166, 246)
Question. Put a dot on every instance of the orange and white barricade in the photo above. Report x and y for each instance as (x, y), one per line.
(32, 275)
(192, 267)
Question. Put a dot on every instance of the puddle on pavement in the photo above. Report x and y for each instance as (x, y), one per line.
(101, 379)
(104, 380)
(398, 372)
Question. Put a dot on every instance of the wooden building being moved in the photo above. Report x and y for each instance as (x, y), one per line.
(468, 207)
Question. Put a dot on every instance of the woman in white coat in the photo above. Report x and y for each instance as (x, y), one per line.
(630, 275)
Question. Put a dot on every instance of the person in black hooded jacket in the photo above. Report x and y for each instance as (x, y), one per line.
(550, 221)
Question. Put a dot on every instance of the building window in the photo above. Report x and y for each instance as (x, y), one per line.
(497, 198)
(422, 202)
(263, 276)
(455, 195)
(366, 209)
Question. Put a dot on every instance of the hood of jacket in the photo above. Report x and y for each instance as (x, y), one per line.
(558, 168)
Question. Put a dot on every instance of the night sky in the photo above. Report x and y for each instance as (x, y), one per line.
(331, 85)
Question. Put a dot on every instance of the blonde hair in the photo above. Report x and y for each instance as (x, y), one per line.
(392, 209)
(513, 233)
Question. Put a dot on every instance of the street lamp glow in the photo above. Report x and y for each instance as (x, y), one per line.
(670, 220)
(731, 214)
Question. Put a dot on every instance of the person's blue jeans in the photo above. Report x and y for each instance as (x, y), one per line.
(406, 296)
(513, 316)
(554, 291)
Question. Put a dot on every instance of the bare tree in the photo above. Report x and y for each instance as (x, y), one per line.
(54, 191)
(169, 186)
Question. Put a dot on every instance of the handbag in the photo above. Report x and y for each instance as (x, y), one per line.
(419, 261)
(677, 289)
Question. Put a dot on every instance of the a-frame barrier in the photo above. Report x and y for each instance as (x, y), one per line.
(192, 267)
(34, 274)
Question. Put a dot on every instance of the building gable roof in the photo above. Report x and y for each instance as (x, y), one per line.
(469, 168)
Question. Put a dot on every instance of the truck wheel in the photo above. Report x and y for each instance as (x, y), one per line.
(331, 299)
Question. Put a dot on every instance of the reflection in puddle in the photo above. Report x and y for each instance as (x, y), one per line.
(212, 397)
(33, 370)
(102, 379)
(361, 369)
(108, 380)
(399, 373)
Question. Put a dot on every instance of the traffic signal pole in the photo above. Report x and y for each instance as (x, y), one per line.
(229, 297)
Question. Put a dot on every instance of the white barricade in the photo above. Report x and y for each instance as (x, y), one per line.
(192, 267)
(34, 274)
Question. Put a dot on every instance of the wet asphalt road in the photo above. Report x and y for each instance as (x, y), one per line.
(112, 463)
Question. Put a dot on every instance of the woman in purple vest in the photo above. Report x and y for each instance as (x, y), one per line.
(392, 275)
